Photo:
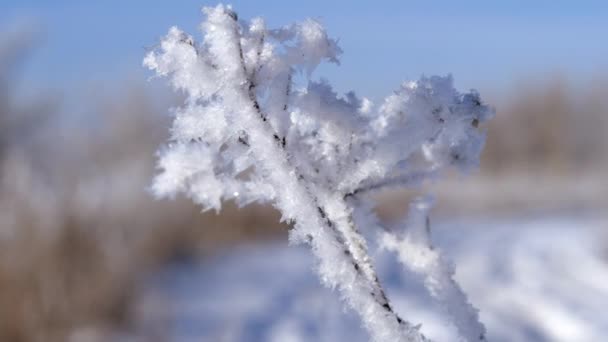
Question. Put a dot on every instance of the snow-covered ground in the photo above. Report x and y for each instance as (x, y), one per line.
(532, 279)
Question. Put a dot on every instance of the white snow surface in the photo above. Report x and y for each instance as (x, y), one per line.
(536, 279)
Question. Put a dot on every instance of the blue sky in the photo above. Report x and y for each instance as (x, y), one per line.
(484, 44)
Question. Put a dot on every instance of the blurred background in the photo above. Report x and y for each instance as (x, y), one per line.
(86, 254)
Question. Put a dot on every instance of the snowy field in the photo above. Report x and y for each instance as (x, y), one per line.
(532, 279)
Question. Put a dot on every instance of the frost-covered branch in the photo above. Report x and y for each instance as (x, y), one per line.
(248, 132)
(404, 180)
(415, 251)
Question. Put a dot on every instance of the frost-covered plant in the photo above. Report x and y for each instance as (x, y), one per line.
(248, 132)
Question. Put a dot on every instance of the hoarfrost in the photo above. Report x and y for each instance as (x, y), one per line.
(247, 132)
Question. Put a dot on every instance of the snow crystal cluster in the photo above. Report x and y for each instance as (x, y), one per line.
(248, 132)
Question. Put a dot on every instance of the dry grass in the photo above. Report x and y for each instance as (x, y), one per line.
(78, 229)
(82, 273)
(550, 125)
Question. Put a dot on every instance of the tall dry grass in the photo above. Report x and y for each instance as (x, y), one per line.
(78, 229)
(550, 125)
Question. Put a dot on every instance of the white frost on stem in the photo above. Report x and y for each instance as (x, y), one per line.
(416, 252)
(248, 133)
